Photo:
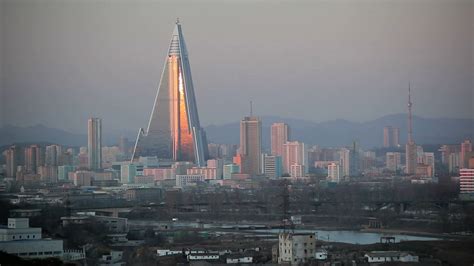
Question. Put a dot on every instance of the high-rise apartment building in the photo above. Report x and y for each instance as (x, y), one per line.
(334, 173)
(429, 159)
(53, 155)
(94, 143)
(294, 153)
(344, 161)
(218, 164)
(393, 161)
(279, 136)
(391, 136)
(33, 158)
(123, 145)
(127, 173)
(297, 170)
(466, 180)
(272, 166)
(174, 132)
(453, 162)
(466, 147)
(447, 150)
(12, 160)
(251, 145)
(354, 164)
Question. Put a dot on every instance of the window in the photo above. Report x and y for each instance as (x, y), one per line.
(33, 236)
(13, 237)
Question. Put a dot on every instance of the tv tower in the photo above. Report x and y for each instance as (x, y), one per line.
(410, 117)
(410, 148)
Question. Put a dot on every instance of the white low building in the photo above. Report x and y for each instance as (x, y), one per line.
(390, 256)
(203, 256)
(237, 258)
(321, 254)
(167, 252)
(114, 258)
(19, 239)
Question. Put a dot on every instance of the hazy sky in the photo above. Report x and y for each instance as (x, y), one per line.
(64, 61)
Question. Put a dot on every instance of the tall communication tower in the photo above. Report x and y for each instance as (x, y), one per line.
(410, 116)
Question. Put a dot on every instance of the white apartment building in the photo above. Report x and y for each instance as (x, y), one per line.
(334, 173)
(393, 161)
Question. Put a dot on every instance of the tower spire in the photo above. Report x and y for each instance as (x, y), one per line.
(251, 109)
(410, 117)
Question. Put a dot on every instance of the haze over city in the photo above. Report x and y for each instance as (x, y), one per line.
(236, 132)
(312, 60)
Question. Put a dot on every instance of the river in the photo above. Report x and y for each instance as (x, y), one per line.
(252, 230)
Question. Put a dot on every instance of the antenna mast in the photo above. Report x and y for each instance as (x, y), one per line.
(410, 118)
(251, 109)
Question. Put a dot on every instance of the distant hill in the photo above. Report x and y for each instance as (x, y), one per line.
(331, 133)
(39, 133)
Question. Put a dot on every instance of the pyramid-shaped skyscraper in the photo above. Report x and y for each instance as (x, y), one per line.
(174, 132)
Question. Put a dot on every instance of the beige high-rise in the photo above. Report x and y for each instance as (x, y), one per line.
(251, 144)
(279, 136)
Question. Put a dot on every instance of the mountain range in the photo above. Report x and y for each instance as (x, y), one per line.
(330, 133)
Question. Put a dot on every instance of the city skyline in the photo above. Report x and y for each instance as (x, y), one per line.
(442, 38)
(338, 160)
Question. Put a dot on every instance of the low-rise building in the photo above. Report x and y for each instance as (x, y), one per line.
(390, 256)
(295, 219)
(18, 238)
(113, 224)
(321, 254)
(238, 258)
(230, 169)
(204, 256)
(114, 258)
(144, 194)
(209, 173)
(25, 213)
(160, 173)
(81, 178)
(186, 180)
